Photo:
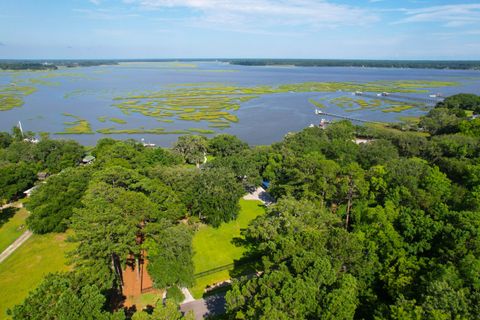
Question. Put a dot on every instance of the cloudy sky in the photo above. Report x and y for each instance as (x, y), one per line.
(365, 29)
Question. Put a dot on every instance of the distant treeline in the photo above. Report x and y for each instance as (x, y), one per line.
(418, 64)
(421, 64)
(50, 64)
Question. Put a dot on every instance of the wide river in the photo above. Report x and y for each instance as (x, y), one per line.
(92, 94)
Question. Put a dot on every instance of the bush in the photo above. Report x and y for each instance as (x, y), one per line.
(175, 294)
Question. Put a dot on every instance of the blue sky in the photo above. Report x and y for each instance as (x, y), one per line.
(366, 29)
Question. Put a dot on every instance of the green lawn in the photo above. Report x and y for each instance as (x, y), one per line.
(214, 248)
(26, 267)
(12, 225)
(147, 299)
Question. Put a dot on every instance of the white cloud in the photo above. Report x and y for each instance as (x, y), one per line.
(95, 2)
(449, 15)
(266, 14)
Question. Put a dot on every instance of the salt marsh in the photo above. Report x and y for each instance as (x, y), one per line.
(159, 101)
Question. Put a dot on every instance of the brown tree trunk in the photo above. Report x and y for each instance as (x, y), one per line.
(349, 201)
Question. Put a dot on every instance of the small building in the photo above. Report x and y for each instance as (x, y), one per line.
(324, 123)
(147, 144)
(88, 159)
(362, 140)
(42, 176)
(28, 192)
(31, 140)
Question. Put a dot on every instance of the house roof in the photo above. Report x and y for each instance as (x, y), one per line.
(88, 158)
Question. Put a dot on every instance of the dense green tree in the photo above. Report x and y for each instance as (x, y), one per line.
(310, 176)
(457, 146)
(158, 156)
(56, 155)
(5, 140)
(14, 179)
(19, 151)
(168, 202)
(299, 280)
(376, 152)
(462, 101)
(244, 165)
(440, 121)
(60, 296)
(106, 228)
(215, 196)
(48, 155)
(181, 179)
(226, 145)
(306, 141)
(169, 311)
(52, 204)
(170, 257)
(192, 148)
(118, 153)
(409, 144)
(192, 186)
(470, 127)
(18, 135)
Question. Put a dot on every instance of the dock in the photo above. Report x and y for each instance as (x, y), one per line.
(429, 101)
(320, 112)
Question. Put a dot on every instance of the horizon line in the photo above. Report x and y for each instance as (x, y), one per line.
(223, 59)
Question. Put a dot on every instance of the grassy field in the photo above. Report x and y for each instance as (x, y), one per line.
(26, 267)
(147, 299)
(214, 248)
(11, 227)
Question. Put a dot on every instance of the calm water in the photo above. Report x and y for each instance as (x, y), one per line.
(261, 121)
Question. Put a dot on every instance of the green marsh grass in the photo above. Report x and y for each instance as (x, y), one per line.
(78, 126)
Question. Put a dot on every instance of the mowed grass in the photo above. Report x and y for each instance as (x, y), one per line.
(214, 248)
(26, 267)
(13, 227)
(147, 299)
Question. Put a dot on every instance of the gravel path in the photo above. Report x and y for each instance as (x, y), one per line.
(14, 246)
(188, 296)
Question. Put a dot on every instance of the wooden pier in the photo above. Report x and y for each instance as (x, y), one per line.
(402, 98)
(319, 112)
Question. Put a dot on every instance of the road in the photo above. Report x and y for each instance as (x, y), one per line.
(14, 246)
(209, 306)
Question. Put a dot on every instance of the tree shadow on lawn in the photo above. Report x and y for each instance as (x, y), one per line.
(246, 265)
(6, 214)
(249, 262)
